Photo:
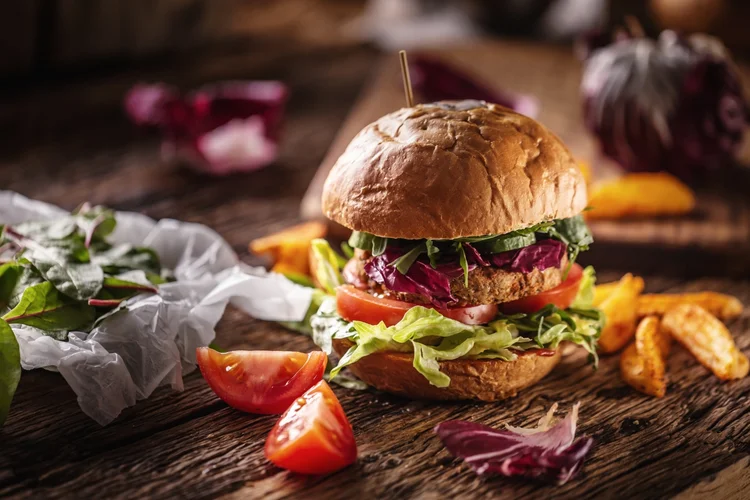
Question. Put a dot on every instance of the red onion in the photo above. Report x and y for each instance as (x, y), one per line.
(672, 104)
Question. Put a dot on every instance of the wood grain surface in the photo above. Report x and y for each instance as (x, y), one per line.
(191, 445)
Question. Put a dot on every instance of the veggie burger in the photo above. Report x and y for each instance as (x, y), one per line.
(462, 282)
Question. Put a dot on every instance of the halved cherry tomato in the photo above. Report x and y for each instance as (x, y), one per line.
(260, 381)
(313, 436)
(357, 305)
(562, 295)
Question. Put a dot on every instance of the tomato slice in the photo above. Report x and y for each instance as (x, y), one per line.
(313, 436)
(357, 305)
(562, 295)
(260, 381)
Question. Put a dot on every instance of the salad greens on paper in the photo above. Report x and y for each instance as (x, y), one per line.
(148, 340)
(62, 275)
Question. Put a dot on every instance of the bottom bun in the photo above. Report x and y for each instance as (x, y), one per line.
(483, 379)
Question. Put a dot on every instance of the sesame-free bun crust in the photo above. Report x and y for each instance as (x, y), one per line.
(452, 169)
(485, 379)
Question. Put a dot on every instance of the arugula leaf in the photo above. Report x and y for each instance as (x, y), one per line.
(506, 243)
(366, 241)
(432, 251)
(43, 306)
(574, 232)
(347, 250)
(463, 262)
(10, 368)
(404, 262)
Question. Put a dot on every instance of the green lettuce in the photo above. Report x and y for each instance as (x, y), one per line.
(585, 297)
(328, 266)
(432, 337)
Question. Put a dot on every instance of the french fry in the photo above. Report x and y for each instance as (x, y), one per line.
(603, 291)
(720, 305)
(619, 310)
(707, 339)
(289, 249)
(642, 364)
(640, 195)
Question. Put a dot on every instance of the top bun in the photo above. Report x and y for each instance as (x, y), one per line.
(452, 169)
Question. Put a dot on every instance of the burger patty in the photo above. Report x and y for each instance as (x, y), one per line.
(487, 285)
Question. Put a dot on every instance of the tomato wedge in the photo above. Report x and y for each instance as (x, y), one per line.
(562, 295)
(313, 436)
(260, 381)
(357, 305)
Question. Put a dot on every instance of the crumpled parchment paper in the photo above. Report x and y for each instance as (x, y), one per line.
(153, 341)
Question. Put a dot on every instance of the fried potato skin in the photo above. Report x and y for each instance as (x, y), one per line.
(643, 362)
(289, 248)
(707, 339)
(644, 194)
(619, 309)
(722, 306)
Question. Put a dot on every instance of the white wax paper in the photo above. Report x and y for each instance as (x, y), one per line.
(153, 342)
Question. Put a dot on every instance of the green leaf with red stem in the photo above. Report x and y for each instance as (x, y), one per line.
(43, 306)
(10, 368)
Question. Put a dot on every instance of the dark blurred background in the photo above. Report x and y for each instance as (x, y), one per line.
(65, 64)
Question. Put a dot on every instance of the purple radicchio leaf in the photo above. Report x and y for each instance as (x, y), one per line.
(438, 81)
(548, 452)
(222, 128)
(421, 279)
(473, 255)
(541, 255)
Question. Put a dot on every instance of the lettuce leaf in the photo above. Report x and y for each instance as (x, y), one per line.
(328, 264)
(585, 297)
(432, 337)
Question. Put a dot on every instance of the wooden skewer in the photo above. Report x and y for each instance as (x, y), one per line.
(406, 78)
(634, 27)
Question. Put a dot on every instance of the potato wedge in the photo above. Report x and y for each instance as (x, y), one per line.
(642, 364)
(707, 339)
(603, 291)
(289, 249)
(585, 169)
(640, 195)
(619, 310)
(720, 305)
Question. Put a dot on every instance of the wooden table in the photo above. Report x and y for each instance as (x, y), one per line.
(190, 444)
